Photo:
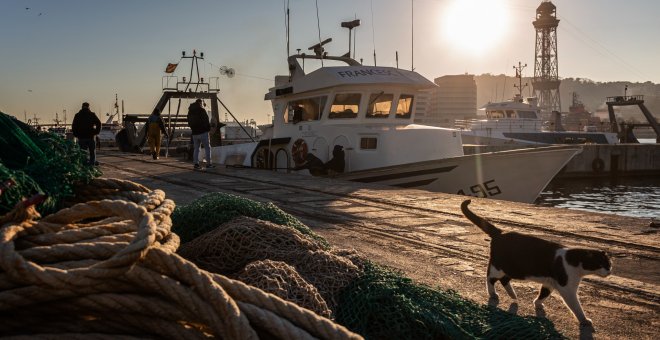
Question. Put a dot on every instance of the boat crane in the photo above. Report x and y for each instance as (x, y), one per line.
(192, 87)
(626, 100)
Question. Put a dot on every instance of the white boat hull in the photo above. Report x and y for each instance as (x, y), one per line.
(490, 175)
(493, 137)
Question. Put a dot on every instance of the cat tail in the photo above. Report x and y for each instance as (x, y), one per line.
(482, 223)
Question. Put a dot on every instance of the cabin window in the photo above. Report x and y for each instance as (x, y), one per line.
(404, 106)
(345, 105)
(368, 143)
(496, 114)
(510, 114)
(379, 105)
(307, 109)
(527, 114)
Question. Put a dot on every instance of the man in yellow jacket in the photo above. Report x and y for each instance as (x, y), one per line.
(155, 126)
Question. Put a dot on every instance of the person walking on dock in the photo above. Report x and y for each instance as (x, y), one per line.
(155, 126)
(198, 121)
(86, 125)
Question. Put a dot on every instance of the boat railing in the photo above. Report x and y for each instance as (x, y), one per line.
(625, 99)
(506, 124)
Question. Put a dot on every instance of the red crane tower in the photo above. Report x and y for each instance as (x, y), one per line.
(546, 79)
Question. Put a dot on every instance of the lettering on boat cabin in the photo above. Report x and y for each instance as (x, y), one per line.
(367, 72)
(486, 189)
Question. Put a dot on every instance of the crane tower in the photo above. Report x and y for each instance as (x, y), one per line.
(546, 79)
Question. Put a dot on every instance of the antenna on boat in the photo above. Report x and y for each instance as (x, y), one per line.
(194, 66)
(287, 19)
(412, 38)
(319, 50)
(57, 119)
(373, 32)
(350, 25)
(318, 26)
(520, 85)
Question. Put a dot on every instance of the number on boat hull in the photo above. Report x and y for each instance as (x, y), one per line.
(485, 189)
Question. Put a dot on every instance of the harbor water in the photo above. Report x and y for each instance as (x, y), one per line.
(626, 196)
(630, 196)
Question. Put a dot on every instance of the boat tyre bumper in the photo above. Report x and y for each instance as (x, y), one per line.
(597, 165)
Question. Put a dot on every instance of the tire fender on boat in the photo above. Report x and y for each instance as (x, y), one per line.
(597, 165)
(299, 151)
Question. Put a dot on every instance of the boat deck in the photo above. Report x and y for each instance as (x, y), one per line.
(425, 235)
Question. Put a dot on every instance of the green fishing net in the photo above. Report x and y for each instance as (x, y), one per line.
(39, 162)
(382, 304)
(209, 211)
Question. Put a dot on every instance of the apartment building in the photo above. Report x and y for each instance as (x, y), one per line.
(454, 98)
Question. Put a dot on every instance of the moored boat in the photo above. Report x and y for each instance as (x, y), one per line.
(518, 121)
(355, 122)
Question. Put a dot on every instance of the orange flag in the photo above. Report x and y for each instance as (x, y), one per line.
(170, 68)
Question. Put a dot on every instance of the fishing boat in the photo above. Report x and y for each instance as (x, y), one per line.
(518, 121)
(356, 122)
(108, 134)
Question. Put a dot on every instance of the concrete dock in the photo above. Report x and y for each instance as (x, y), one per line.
(425, 235)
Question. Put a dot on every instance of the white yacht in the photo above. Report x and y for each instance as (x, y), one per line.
(355, 122)
(518, 121)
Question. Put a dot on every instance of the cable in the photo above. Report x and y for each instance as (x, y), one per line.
(611, 56)
(242, 74)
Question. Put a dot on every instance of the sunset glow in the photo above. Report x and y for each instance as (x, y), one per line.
(474, 25)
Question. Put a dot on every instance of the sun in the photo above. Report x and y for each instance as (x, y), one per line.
(474, 25)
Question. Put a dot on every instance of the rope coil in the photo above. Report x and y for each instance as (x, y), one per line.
(107, 268)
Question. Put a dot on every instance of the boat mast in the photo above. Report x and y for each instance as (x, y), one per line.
(520, 85)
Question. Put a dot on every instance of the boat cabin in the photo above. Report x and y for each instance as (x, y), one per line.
(365, 113)
(516, 108)
(346, 94)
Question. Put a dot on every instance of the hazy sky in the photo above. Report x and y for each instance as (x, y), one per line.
(57, 54)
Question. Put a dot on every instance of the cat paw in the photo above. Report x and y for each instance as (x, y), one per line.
(493, 300)
(538, 304)
(586, 323)
(539, 310)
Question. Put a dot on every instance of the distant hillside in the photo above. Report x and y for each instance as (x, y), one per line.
(592, 94)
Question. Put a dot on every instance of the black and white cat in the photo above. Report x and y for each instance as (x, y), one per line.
(524, 257)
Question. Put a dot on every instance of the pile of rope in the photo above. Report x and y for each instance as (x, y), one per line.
(38, 162)
(107, 268)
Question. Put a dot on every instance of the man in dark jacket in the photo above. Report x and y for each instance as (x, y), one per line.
(198, 121)
(86, 125)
